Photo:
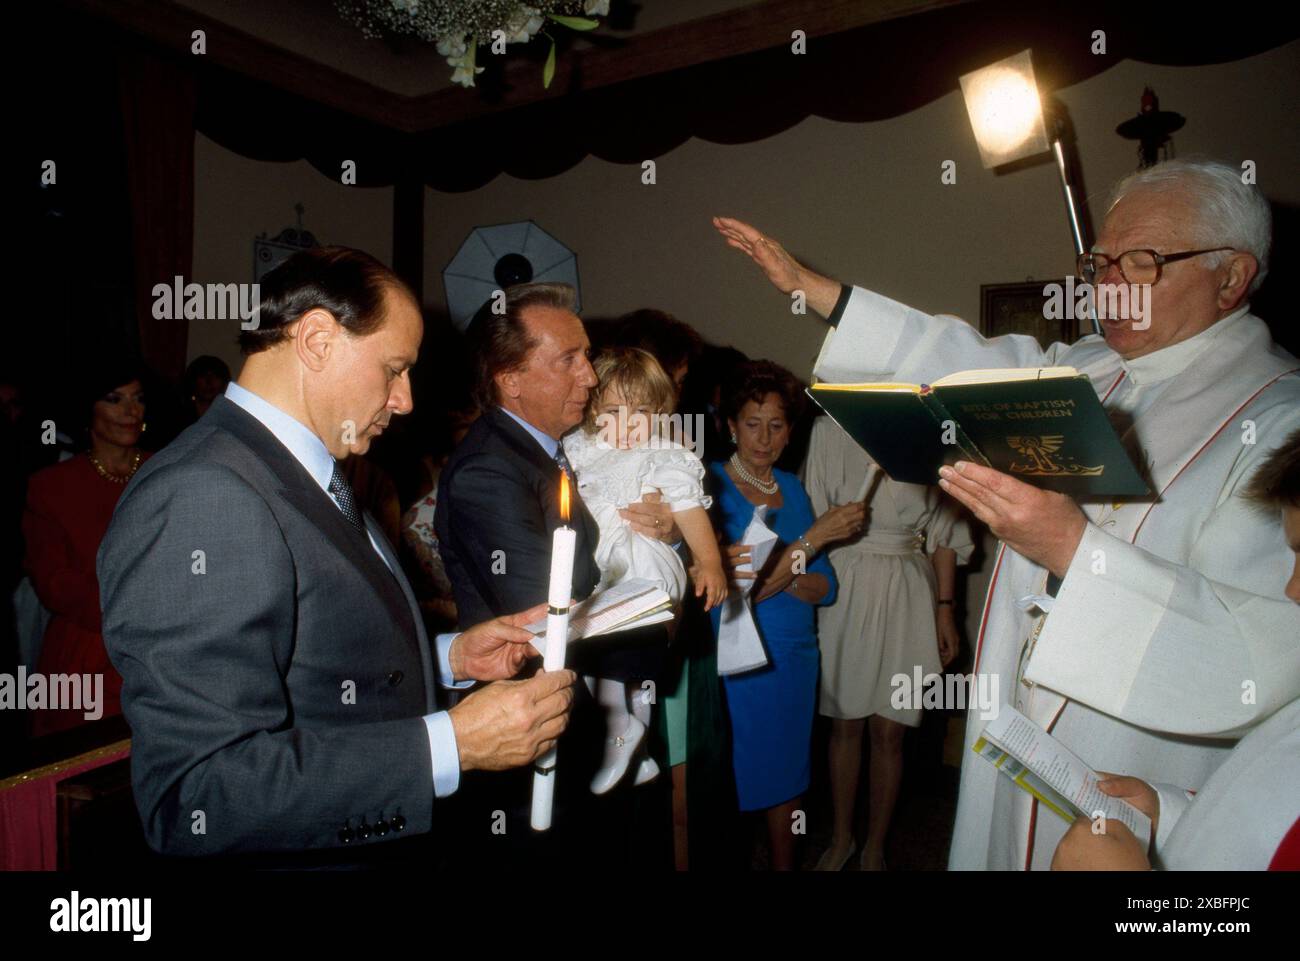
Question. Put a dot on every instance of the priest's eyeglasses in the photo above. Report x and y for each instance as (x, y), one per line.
(1136, 266)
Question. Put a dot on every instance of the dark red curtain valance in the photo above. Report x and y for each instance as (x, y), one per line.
(871, 73)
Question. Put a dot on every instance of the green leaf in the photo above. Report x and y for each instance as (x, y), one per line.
(576, 23)
(548, 72)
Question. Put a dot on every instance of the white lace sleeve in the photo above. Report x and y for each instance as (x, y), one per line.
(578, 448)
(679, 474)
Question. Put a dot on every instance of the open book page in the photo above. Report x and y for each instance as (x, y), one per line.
(880, 388)
(740, 647)
(998, 375)
(1046, 768)
(632, 603)
(1003, 375)
(761, 539)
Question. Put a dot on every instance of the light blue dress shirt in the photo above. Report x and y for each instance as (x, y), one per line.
(316, 459)
(549, 443)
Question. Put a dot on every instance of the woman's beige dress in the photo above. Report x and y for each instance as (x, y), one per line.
(882, 624)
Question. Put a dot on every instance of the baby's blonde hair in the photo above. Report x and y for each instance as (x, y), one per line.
(637, 376)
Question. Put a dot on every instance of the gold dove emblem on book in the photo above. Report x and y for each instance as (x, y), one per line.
(1041, 457)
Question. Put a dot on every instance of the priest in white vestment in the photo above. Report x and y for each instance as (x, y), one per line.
(1246, 817)
(1146, 634)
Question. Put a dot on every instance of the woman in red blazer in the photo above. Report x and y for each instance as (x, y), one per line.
(68, 509)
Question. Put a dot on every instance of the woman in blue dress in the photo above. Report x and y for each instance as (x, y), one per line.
(772, 707)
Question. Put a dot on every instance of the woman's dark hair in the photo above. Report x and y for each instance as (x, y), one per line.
(1276, 482)
(501, 342)
(754, 380)
(103, 375)
(349, 283)
(205, 365)
(93, 376)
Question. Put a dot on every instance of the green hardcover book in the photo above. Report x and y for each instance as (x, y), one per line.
(1042, 425)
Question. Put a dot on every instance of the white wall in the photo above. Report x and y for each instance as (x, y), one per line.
(236, 199)
(864, 202)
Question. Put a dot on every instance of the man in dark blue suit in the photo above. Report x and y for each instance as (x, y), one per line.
(499, 502)
(499, 495)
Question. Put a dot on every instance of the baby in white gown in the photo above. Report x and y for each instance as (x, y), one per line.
(619, 455)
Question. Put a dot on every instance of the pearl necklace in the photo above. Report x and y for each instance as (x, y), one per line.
(108, 475)
(767, 487)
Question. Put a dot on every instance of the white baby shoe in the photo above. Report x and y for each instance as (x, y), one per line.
(618, 755)
(646, 771)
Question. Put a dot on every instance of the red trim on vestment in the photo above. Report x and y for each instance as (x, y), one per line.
(1201, 450)
(1287, 855)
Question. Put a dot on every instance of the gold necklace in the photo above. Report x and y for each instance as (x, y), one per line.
(108, 475)
(768, 487)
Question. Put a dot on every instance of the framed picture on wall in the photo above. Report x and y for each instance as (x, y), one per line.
(270, 252)
(1019, 309)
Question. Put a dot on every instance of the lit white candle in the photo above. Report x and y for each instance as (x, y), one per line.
(564, 544)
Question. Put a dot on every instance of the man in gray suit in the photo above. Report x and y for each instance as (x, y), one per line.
(277, 677)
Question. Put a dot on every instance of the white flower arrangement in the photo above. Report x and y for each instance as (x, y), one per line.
(458, 27)
(525, 22)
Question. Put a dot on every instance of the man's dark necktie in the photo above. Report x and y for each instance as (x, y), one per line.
(342, 492)
(563, 463)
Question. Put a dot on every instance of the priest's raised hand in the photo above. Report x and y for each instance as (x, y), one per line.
(786, 274)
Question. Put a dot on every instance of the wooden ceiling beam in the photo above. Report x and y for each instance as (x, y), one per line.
(171, 27)
(728, 34)
(717, 37)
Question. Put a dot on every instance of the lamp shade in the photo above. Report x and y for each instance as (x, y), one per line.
(1005, 111)
(499, 256)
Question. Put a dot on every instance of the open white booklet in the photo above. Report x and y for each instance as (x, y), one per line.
(1047, 769)
(740, 648)
(628, 604)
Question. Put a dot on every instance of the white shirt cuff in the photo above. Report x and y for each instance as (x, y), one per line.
(443, 753)
(442, 644)
(865, 339)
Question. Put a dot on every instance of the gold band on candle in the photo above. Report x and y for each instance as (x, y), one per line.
(556, 610)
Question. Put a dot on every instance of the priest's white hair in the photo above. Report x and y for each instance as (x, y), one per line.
(1231, 213)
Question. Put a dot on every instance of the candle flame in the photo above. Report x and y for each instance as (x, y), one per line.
(564, 496)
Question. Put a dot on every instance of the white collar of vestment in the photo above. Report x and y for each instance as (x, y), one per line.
(1167, 362)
